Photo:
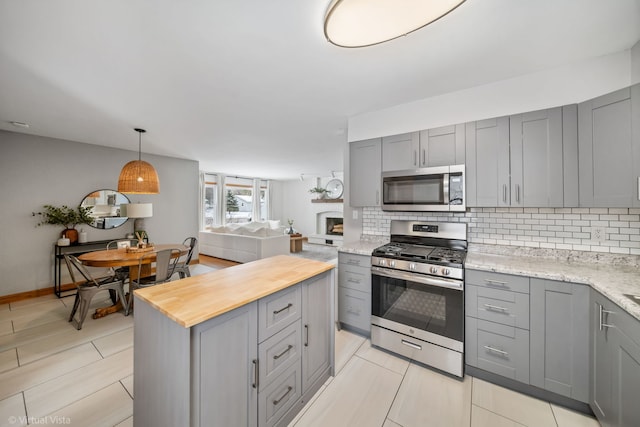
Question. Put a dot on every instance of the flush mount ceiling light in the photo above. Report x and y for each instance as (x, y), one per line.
(138, 176)
(360, 23)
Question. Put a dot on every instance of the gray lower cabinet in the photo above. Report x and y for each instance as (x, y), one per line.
(365, 169)
(354, 292)
(317, 330)
(497, 323)
(559, 337)
(609, 149)
(530, 330)
(615, 363)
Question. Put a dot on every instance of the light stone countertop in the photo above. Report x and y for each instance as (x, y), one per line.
(611, 275)
(364, 246)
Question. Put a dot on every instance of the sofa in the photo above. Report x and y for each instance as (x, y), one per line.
(244, 242)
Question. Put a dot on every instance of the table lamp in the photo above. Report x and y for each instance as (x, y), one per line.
(138, 211)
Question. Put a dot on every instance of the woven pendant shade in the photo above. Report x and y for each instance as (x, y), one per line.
(138, 176)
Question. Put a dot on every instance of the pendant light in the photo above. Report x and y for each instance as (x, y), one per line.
(138, 176)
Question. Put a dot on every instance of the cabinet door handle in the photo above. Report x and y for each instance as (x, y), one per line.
(306, 335)
(415, 157)
(256, 371)
(276, 401)
(377, 197)
(504, 193)
(639, 188)
(518, 193)
(283, 309)
(601, 313)
(278, 356)
(412, 345)
(496, 308)
(495, 350)
(424, 156)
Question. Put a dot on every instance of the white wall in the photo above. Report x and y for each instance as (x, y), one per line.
(297, 205)
(569, 84)
(35, 171)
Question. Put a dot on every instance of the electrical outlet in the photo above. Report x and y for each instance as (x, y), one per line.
(598, 234)
(354, 214)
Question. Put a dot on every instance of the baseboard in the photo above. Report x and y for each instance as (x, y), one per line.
(6, 299)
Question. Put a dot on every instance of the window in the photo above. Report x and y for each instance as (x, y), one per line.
(229, 199)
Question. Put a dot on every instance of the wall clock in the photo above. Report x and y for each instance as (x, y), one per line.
(334, 189)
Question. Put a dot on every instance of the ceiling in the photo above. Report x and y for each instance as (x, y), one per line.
(251, 87)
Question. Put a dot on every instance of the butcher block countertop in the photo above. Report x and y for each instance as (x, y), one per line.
(193, 300)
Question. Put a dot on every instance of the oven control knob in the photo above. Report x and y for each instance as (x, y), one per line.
(446, 271)
(392, 264)
(382, 262)
(434, 270)
(412, 266)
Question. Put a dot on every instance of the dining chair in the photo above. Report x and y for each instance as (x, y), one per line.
(121, 273)
(165, 266)
(182, 267)
(89, 287)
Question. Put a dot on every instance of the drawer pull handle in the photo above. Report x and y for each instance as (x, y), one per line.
(278, 356)
(255, 373)
(352, 311)
(412, 345)
(495, 282)
(496, 308)
(276, 401)
(283, 309)
(353, 280)
(495, 350)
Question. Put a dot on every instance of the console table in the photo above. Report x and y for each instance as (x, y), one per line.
(75, 249)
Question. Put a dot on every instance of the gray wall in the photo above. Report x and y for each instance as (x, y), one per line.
(35, 171)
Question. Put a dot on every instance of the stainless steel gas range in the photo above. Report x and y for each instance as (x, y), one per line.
(417, 293)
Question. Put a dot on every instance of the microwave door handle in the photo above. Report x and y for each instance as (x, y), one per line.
(445, 189)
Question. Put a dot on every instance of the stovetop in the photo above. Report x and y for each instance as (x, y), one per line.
(421, 254)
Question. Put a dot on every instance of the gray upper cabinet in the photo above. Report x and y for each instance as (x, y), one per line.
(536, 158)
(526, 160)
(442, 146)
(560, 338)
(487, 162)
(609, 149)
(365, 169)
(401, 152)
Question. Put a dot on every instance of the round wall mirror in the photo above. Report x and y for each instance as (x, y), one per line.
(105, 206)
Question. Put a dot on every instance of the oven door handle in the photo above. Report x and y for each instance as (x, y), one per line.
(412, 277)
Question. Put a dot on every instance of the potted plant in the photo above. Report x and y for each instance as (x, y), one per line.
(66, 217)
(319, 191)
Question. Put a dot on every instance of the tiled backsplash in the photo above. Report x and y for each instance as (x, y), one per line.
(552, 228)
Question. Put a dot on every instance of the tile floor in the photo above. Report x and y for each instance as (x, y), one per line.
(50, 373)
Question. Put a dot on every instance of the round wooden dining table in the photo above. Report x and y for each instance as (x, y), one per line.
(121, 258)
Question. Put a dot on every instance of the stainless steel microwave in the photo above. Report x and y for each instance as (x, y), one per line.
(439, 188)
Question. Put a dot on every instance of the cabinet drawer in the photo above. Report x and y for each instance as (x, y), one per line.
(279, 352)
(356, 278)
(279, 396)
(504, 307)
(278, 310)
(354, 259)
(354, 308)
(496, 348)
(506, 282)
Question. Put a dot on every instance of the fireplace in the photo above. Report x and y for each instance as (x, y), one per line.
(334, 226)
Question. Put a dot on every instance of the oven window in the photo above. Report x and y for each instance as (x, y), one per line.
(415, 190)
(430, 308)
